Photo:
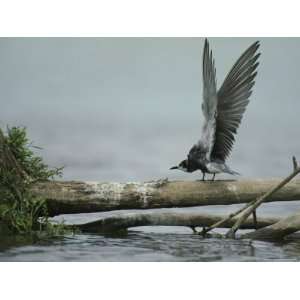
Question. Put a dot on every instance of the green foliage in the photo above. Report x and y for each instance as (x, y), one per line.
(20, 210)
(23, 217)
(32, 164)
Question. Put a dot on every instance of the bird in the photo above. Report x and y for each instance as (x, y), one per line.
(223, 110)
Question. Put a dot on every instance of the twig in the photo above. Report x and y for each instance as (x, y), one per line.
(295, 163)
(260, 200)
(224, 220)
(254, 218)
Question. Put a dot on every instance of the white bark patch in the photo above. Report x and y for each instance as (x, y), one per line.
(145, 190)
(108, 191)
(232, 188)
(113, 191)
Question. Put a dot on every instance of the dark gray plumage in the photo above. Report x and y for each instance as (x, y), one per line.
(223, 111)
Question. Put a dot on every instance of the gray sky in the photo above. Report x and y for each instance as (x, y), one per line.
(129, 108)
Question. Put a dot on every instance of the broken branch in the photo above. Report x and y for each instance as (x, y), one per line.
(260, 200)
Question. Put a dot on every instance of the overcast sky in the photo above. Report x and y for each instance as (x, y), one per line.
(129, 108)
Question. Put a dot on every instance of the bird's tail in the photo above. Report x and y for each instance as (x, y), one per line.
(229, 171)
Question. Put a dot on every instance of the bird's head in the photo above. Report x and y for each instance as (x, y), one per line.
(183, 166)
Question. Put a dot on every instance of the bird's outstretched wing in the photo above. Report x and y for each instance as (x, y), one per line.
(232, 100)
(210, 102)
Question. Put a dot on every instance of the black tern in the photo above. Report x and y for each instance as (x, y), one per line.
(223, 111)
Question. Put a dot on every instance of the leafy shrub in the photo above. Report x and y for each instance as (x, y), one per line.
(20, 210)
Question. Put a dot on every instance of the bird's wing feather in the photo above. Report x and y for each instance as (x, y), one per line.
(210, 101)
(233, 98)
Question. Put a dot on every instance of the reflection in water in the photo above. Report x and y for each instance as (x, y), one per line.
(149, 246)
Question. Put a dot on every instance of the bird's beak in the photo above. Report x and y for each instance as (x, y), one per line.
(173, 168)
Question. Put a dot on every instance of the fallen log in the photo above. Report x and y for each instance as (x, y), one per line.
(278, 230)
(65, 197)
(119, 221)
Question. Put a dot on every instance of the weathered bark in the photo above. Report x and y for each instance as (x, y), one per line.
(278, 230)
(132, 219)
(82, 197)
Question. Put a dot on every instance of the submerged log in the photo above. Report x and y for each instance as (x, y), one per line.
(126, 220)
(252, 208)
(278, 230)
(82, 197)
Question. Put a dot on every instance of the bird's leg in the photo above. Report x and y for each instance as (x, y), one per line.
(203, 176)
(254, 219)
(213, 178)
